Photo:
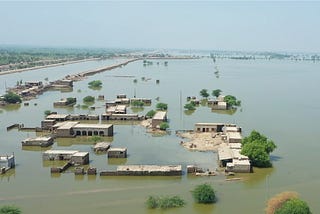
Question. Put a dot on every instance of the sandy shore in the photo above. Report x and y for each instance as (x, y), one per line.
(46, 66)
(202, 141)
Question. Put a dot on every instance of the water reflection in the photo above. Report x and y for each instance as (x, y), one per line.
(229, 111)
(11, 107)
(117, 161)
(10, 174)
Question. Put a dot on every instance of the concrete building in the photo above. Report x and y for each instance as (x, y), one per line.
(234, 137)
(38, 141)
(219, 105)
(117, 153)
(118, 109)
(65, 129)
(101, 147)
(33, 83)
(122, 101)
(6, 162)
(58, 117)
(121, 117)
(158, 118)
(121, 96)
(93, 129)
(73, 156)
(47, 124)
(145, 170)
(241, 166)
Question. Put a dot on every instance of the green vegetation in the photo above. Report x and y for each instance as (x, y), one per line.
(164, 202)
(25, 57)
(151, 113)
(71, 100)
(96, 138)
(9, 209)
(135, 80)
(95, 84)
(137, 103)
(287, 203)
(190, 106)
(294, 206)
(204, 93)
(162, 106)
(12, 98)
(216, 92)
(164, 126)
(88, 99)
(204, 194)
(47, 112)
(257, 147)
(232, 101)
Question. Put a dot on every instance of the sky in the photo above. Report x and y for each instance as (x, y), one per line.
(209, 25)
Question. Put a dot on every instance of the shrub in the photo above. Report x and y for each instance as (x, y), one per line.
(151, 113)
(277, 201)
(47, 112)
(204, 194)
(137, 103)
(164, 126)
(164, 202)
(10, 210)
(88, 99)
(294, 206)
(162, 106)
(190, 106)
(12, 98)
(95, 84)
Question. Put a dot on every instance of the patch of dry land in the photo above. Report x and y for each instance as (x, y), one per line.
(201, 141)
(148, 124)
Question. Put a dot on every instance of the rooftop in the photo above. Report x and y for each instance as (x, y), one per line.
(63, 152)
(117, 149)
(57, 116)
(160, 115)
(66, 125)
(163, 168)
(38, 139)
(80, 154)
(87, 125)
(234, 135)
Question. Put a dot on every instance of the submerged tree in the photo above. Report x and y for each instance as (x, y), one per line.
(232, 101)
(258, 147)
(9, 210)
(162, 106)
(204, 194)
(204, 93)
(12, 98)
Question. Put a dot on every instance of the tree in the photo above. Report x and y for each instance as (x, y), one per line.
(9, 210)
(71, 100)
(88, 99)
(257, 147)
(137, 103)
(204, 194)
(294, 206)
(164, 202)
(47, 112)
(13, 98)
(162, 106)
(151, 113)
(190, 106)
(232, 101)
(204, 93)
(216, 93)
(164, 126)
(95, 84)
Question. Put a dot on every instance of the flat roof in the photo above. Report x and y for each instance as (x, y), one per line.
(234, 135)
(87, 125)
(64, 152)
(38, 139)
(57, 116)
(141, 168)
(225, 153)
(160, 115)
(81, 154)
(67, 125)
(111, 108)
(245, 162)
(121, 107)
(117, 149)
(237, 155)
(231, 128)
(102, 145)
(235, 145)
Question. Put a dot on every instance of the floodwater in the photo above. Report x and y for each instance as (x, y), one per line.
(279, 99)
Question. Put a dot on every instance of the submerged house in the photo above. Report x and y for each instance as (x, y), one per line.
(73, 156)
(38, 141)
(6, 162)
(117, 153)
(158, 118)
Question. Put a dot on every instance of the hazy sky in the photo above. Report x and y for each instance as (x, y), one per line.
(261, 26)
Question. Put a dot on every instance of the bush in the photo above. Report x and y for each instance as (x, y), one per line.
(164, 202)
(12, 98)
(95, 84)
(71, 100)
(137, 103)
(88, 99)
(232, 101)
(47, 112)
(162, 106)
(151, 113)
(164, 126)
(190, 106)
(10, 210)
(294, 206)
(204, 194)
(277, 201)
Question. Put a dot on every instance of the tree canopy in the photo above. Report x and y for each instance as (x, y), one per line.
(232, 101)
(204, 194)
(190, 106)
(294, 206)
(204, 93)
(164, 126)
(216, 92)
(257, 147)
(150, 113)
(137, 103)
(95, 84)
(9, 210)
(88, 99)
(162, 106)
(12, 98)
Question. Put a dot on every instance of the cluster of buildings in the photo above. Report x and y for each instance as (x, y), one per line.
(229, 153)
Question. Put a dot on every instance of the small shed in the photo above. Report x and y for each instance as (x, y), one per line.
(38, 141)
(117, 153)
(81, 158)
(101, 147)
(158, 118)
